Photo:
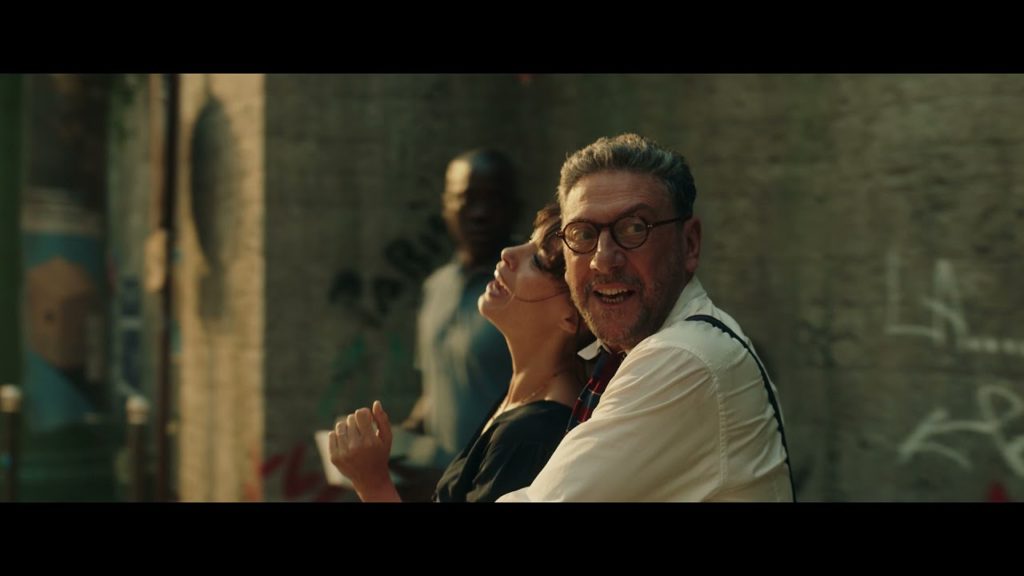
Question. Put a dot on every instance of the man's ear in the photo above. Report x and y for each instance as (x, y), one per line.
(691, 249)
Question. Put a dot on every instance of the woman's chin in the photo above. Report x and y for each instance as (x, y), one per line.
(492, 306)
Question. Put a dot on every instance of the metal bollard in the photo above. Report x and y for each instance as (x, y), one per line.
(137, 410)
(10, 406)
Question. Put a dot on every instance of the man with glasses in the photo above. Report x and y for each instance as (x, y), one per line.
(689, 414)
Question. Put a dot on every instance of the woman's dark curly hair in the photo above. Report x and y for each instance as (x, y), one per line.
(550, 258)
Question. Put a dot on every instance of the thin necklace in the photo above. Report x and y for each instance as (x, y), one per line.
(523, 401)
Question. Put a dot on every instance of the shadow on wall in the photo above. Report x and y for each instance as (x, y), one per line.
(214, 193)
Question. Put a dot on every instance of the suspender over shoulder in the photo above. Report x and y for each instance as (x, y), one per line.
(764, 378)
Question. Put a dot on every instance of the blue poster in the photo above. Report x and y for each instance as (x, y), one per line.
(62, 303)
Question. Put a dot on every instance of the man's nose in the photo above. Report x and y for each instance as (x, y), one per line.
(608, 255)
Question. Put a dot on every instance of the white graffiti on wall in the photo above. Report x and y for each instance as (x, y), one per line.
(947, 313)
(998, 406)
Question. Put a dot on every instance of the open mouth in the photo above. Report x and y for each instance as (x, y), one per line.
(612, 295)
(497, 286)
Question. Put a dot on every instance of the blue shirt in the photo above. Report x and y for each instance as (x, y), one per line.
(463, 358)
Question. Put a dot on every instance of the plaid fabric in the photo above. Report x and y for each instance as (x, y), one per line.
(607, 364)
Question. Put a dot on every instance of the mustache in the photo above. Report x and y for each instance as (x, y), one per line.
(629, 281)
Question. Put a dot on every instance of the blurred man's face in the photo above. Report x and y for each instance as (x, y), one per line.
(477, 209)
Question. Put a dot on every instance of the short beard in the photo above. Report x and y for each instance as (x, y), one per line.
(631, 332)
(651, 316)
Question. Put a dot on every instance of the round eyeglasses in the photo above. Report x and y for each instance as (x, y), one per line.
(629, 232)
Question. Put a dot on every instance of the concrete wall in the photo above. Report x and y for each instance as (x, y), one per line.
(219, 286)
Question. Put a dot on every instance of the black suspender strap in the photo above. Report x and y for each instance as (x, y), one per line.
(764, 378)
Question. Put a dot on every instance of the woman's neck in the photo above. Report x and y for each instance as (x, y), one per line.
(542, 368)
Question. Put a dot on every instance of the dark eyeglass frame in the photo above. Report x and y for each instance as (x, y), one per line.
(611, 228)
(547, 265)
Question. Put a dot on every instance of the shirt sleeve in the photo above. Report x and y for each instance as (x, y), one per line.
(654, 436)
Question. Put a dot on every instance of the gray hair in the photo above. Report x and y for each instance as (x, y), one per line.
(632, 153)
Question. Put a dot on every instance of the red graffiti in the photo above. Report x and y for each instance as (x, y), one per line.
(298, 485)
(997, 493)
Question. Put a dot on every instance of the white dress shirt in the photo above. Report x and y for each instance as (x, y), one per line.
(685, 418)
